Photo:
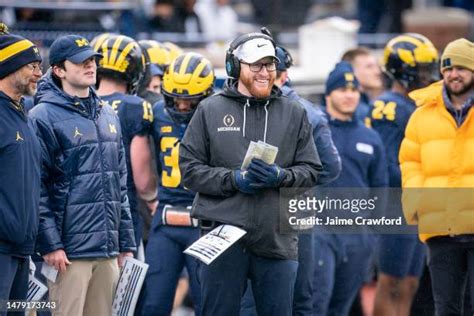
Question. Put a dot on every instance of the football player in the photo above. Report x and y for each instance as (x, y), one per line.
(157, 59)
(187, 81)
(119, 73)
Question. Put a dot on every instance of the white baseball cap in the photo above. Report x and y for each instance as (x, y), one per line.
(255, 49)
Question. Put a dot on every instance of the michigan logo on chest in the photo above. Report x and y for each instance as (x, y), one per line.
(228, 124)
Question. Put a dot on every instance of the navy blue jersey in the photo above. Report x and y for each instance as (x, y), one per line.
(389, 117)
(136, 118)
(167, 135)
(362, 154)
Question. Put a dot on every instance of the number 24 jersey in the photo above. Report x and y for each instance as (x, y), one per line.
(389, 117)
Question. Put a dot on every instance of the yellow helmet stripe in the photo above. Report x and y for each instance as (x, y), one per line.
(159, 56)
(114, 50)
(100, 41)
(105, 52)
(14, 49)
(200, 68)
(406, 56)
(426, 54)
(121, 59)
(153, 53)
(184, 64)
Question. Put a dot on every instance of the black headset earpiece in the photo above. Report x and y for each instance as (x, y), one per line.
(232, 63)
(288, 59)
(266, 31)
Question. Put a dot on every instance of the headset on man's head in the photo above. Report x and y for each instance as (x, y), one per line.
(232, 63)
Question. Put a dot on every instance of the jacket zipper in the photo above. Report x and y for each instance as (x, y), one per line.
(102, 168)
(254, 119)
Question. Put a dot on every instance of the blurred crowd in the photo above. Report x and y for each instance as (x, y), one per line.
(214, 19)
(124, 133)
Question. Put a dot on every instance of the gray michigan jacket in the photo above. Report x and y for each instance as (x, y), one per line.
(215, 144)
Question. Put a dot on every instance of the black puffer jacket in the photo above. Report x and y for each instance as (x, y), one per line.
(215, 144)
(84, 207)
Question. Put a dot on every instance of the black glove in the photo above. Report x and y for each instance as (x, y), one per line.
(245, 182)
(268, 176)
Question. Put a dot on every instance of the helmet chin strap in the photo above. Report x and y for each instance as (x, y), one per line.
(176, 116)
(180, 117)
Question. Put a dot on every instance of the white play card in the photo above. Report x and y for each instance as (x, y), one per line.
(209, 247)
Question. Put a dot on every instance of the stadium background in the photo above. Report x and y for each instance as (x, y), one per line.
(368, 23)
(372, 23)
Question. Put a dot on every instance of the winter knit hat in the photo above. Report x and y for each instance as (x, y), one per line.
(458, 53)
(15, 52)
(341, 77)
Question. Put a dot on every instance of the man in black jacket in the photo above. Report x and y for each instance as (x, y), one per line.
(249, 109)
(20, 69)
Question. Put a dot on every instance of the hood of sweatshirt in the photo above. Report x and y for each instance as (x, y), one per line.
(230, 90)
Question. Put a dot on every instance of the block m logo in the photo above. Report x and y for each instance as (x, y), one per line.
(112, 128)
(82, 42)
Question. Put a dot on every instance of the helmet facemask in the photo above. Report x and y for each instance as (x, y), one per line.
(181, 117)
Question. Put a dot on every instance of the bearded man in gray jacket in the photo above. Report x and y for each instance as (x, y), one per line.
(250, 108)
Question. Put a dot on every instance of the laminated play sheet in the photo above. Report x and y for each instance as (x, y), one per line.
(211, 246)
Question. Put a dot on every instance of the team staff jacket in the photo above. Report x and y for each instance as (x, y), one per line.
(363, 166)
(362, 154)
(136, 117)
(215, 144)
(20, 160)
(167, 135)
(436, 153)
(322, 137)
(389, 117)
(84, 207)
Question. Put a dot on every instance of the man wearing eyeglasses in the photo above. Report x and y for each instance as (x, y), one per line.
(19, 166)
(250, 108)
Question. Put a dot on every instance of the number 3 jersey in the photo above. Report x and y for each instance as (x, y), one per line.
(167, 135)
(389, 117)
(136, 118)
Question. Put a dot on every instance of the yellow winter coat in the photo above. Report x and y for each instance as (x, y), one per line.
(437, 165)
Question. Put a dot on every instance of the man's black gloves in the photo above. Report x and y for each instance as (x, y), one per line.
(267, 176)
